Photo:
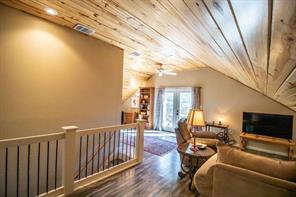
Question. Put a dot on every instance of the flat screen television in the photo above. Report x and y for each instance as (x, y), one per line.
(273, 125)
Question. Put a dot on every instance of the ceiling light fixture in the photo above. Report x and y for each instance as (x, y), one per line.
(51, 11)
(161, 71)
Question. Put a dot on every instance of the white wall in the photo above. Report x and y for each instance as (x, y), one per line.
(224, 98)
(52, 76)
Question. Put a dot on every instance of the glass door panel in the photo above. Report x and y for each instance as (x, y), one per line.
(168, 111)
(184, 104)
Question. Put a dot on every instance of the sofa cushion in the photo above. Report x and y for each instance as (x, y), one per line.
(277, 168)
(203, 178)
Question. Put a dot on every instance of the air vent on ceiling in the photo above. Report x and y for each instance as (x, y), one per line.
(84, 29)
(135, 53)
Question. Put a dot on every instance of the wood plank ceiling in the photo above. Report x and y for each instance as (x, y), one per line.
(251, 41)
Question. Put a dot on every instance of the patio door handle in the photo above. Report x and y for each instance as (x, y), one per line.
(177, 112)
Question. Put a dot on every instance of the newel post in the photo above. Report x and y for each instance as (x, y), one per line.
(140, 141)
(69, 158)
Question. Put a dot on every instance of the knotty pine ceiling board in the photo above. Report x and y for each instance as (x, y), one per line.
(282, 64)
(252, 42)
(252, 20)
(200, 11)
(176, 29)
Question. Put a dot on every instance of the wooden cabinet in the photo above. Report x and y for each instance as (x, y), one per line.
(146, 106)
(290, 144)
(129, 117)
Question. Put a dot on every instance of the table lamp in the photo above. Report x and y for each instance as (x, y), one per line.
(196, 120)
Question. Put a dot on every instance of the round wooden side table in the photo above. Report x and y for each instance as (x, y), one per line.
(192, 160)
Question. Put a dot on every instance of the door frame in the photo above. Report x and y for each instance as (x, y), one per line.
(176, 104)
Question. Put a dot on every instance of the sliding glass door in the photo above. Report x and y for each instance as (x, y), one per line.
(176, 104)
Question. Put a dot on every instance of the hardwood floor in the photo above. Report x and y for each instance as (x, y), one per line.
(156, 176)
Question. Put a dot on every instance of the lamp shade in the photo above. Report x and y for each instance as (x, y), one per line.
(196, 118)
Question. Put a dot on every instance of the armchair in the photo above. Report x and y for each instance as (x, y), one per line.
(183, 135)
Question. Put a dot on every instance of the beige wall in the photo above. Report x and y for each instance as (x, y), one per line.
(52, 76)
(127, 104)
(224, 98)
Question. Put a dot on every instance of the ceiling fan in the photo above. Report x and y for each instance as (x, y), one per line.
(161, 71)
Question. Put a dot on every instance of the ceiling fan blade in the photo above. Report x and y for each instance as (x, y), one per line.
(167, 70)
(169, 73)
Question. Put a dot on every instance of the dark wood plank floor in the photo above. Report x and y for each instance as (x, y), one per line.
(156, 176)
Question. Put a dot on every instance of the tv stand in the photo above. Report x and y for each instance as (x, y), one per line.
(244, 137)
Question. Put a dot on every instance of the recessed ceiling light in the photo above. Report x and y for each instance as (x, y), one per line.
(133, 82)
(51, 11)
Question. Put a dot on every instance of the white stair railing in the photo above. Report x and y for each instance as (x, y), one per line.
(60, 163)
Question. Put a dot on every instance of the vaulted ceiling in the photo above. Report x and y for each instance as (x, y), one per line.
(251, 41)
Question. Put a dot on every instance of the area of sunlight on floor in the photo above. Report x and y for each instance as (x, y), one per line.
(163, 135)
